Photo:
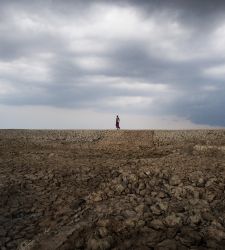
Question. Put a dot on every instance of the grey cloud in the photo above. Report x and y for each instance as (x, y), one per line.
(188, 11)
(130, 59)
(202, 108)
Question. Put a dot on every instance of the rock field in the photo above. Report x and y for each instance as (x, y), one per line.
(102, 189)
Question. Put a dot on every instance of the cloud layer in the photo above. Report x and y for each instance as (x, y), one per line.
(150, 58)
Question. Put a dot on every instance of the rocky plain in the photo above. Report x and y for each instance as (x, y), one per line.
(105, 189)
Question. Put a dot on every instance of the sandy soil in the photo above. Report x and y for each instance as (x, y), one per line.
(112, 189)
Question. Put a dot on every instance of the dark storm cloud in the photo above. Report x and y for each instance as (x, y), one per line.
(188, 11)
(151, 57)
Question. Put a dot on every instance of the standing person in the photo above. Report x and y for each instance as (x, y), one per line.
(117, 122)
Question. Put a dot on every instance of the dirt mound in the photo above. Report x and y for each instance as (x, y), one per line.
(112, 189)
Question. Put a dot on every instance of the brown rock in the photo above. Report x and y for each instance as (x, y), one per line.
(140, 209)
(167, 245)
(207, 216)
(189, 237)
(161, 194)
(195, 219)
(103, 222)
(141, 186)
(178, 192)
(98, 244)
(77, 203)
(215, 233)
(103, 232)
(119, 188)
(97, 197)
(153, 237)
(210, 196)
(175, 180)
(3, 232)
(163, 205)
(156, 209)
(140, 223)
(130, 222)
(172, 220)
(171, 232)
(143, 192)
(157, 224)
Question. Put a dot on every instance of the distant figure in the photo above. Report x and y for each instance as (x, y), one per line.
(117, 122)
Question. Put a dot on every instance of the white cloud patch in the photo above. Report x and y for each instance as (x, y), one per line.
(218, 40)
(217, 72)
(136, 102)
(92, 63)
(6, 88)
(210, 88)
(27, 69)
(139, 86)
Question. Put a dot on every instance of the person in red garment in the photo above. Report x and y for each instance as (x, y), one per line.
(117, 122)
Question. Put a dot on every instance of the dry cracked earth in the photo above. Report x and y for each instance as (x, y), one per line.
(112, 189)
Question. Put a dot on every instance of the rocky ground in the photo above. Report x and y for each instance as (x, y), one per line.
(112, 189)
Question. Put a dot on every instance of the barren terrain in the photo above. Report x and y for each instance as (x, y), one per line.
(112, 189)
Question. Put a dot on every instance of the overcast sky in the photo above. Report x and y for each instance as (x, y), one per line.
(77, 64)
